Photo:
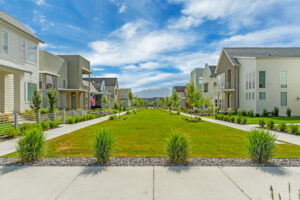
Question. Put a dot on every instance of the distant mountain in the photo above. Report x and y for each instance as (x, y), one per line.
(158, 92)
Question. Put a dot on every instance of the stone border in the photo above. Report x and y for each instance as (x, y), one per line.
(141, 161)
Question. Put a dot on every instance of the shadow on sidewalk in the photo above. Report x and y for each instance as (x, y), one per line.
(279, 171)
(92, 170)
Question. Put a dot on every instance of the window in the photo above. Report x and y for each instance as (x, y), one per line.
(262, 95)
(31, 53)
(262, 79)
(253, 79)
(249, 81)
(205, 87)
(5, 42)
(246, 81)
(283, 98)
(41, 82)
(30, 90)
(49, 82)
(253, 98)
(246, 96)
(283, 79)
(200, 80)
(64, 84)
(23, 49)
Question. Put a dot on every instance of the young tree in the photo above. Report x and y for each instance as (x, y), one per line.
(191, 96)
(36, 101)
(161, 102)
(130, 98)
(104, 101)
(175, 99)
(167, 101)
(199, 99)
(52, 96)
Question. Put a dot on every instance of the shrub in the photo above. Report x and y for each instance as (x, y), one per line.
(250, 113)
(261, 123)
(239, 112)
(244, 120)
(12, 133)
(178, 113)
(112, 117)
(31, 145)
(238, 119)
(261, 145)
(45, 125)
(244, 113)
(226, 118)
(43, 110)
(257, 115)
(232, 119)
(288, 112)
(270, 125)
(276, 111)
(70, 120)
(282, 126)
(128, 113)
(103, 146)
(25, 127)
(217, 110)
(177, 148)
(229, 111)
(294, 129)
(265, 113)
(221, 117)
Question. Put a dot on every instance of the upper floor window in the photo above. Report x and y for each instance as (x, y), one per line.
(283, 79)
(253, 79)
(262, 79)
(23, 49)
(247, 81)
(31, 52)
(5, 42)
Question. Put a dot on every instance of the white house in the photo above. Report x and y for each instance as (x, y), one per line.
(19, 69)
(259, 78)
(210, 83)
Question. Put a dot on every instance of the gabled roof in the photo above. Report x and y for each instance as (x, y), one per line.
(257, 52)
(212, 68)
(18, 25)
(180, 88)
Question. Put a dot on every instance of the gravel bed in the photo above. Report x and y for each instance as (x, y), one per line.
(139, 161)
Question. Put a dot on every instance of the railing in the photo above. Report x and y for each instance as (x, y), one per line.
(6, 122)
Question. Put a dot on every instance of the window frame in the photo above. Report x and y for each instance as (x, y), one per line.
(281, 85)
(286, 99)
(259, 78)
(2, 44)
(260, 95)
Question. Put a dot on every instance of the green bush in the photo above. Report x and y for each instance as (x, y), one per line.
(265, 113)
(282, 126)
(43, 111)
(238, 119)
(294, 129)
(12, 132)
(177, 148)
(261, 123)
(244, 120)
(276, 111)
(221, 117)
(25, 127)
(257, 115)
(103, 146)
(239, 112)
(270, 125)
(45, 125)
(112, 117)
(232, 119)
(31, 145)
(288, 112)
(261, 145)
(70, 120)
(250, 113)
(226, 118)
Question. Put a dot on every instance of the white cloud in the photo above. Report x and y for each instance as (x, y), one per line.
(39, 2)
(51, 46)
(130, 67)
(30, 28)
(97, 69)
(123, 8)
(40, 18)
(120, 4)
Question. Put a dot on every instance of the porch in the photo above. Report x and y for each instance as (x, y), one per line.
(76, 98)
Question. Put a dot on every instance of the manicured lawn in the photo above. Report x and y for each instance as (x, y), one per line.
(144, 134)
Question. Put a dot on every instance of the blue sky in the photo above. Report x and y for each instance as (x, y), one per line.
(156, 43)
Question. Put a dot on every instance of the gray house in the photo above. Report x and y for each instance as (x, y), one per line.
(197, 77)
(123, 96)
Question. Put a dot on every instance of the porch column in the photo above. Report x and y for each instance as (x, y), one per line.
(84, 100)
(19, 95)
(77, 100)
(69, 100)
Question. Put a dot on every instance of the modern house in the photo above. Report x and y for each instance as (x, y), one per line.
(197, 78)
(210, 83)
(108, 87)
(181, 91)
(19, 65)
(123, 97)
(259, 78)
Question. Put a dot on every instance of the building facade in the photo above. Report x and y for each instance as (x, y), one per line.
(123, 97)
(197, 78)
(210, 83)
(181, 91)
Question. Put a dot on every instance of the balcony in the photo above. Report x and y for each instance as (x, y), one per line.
(229, 86)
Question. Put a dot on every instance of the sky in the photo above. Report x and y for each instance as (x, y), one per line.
(152, 44)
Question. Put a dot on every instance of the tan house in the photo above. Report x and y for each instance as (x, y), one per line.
(19, 65)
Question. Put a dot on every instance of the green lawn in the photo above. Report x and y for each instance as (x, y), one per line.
(144, 134)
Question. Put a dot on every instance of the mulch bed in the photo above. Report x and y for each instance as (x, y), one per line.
(139, 161)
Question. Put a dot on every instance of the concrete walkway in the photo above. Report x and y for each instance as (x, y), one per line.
(293, 139)
(146, 183)
(10, 146)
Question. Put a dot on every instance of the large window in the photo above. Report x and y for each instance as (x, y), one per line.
(283, 98)
(23, 49)
(31, 52)
(30, 90)
(50, 82)
(262, 79)
(283, 79)
(5, 42)
(262, 95)
(253, 80)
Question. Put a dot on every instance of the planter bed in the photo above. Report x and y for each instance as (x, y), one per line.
(141, 161)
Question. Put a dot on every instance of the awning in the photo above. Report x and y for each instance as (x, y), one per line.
(49, 73)
(13, 66)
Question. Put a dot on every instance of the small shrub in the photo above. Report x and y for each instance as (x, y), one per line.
(261, 145)
(261, 123)
(257, 115)
(31, 145)
(270, 125)
(43, 111)
(128, 113)
(294, 129)
(265, 113)
(178, 113)
(244, 120)
(244, 113)
(12, 133)
(198, 118)
(282, 126)
(276, 111)
(288, 112)
(250, 113)
(232, 119)
(25, 127)
(229, 111)
(239, 112)
(45, 125)
(103, 146)
(70, 120)
(221, 117)
(238, 119)
(177, 148)
(112, 117)
(217, 110)
(226, 118)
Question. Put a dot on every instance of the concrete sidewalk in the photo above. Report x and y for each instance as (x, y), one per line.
(293, 139)
(136, 183)
(11, 145)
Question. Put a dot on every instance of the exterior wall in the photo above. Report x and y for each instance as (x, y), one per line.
(14, 56)
(196, 77)
(74, 71)
(123, 96)
(211, 81)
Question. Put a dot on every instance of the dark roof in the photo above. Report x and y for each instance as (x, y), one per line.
(180, 88)
(264, 52)
(18, 25)
(108, 81)
(212, 68)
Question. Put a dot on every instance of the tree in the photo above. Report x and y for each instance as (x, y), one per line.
(130, 98)
(104, 101)
(36, 101)
(199, 99)
(175, 99)
(191, 96)
(161, 102)
(167, 101)
(52, 96)
(155, 103)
